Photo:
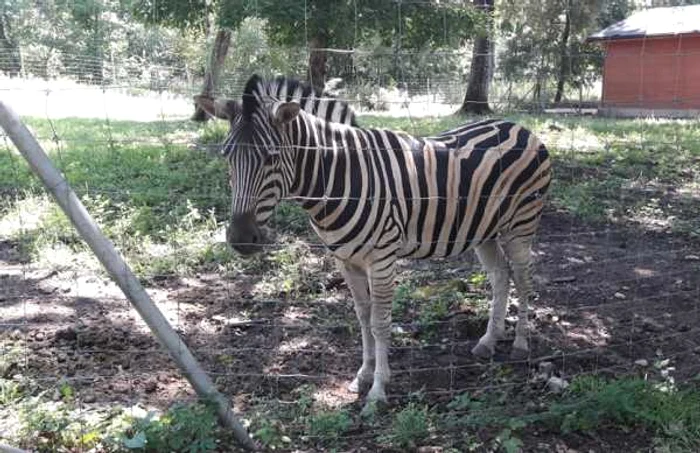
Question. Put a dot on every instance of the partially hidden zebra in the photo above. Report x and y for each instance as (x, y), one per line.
(374, 196)
(282, 88)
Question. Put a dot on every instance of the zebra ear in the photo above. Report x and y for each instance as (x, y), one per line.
(226, 109)
(284, 112)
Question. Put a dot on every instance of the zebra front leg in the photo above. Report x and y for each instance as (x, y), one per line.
(519, 254)
(382, 291)
(356, 279)
(494, 262)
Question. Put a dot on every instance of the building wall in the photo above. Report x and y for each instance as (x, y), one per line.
(661, 73)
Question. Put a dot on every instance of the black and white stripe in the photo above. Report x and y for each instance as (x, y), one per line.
(376, 195)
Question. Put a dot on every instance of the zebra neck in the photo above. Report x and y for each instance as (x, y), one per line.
(324, 163)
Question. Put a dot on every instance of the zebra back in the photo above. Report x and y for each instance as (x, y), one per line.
(285, 89)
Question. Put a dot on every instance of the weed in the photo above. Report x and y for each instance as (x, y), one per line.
(402, 300)
(507, 440)
(270, 433)
(304, 401)
(290, 218)
(477, 280)
(11, 391)
(290, 270)
(190, 428)
(409, 427)
(329, 426)
(432, 312)
(49, 426)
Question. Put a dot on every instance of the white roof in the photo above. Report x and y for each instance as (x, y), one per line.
(676, 20)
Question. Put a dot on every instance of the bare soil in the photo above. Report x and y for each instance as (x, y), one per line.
(609, 296)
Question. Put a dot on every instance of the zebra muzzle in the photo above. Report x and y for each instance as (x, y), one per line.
(244, 235)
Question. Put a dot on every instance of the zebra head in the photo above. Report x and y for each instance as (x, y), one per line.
(259, 156)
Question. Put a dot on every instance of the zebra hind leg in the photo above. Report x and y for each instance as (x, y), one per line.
(518, 251)
(492, 258)
(356, 279)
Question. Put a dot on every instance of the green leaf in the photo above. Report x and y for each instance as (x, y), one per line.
(138, 441)
(512, 444)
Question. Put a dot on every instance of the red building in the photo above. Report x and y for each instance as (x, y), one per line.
(652, 63)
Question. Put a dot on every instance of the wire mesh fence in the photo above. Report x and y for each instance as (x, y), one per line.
(617, 261)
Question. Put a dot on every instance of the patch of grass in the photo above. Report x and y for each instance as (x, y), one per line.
(139, 181)
(270, 433)
(47, 426)
(191, 428)
(329, 426)
(431, 302)
(11, 391)
(291, 218)
(274, 422)
(291, 269)
(593, 403)
(589, 404)
(409, 427)
(433, 312)
(212, 135)
(401, 301)
(54, 420)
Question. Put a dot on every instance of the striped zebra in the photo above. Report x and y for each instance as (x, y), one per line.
(374, 196)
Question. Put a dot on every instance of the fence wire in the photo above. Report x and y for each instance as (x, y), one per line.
(616, 263)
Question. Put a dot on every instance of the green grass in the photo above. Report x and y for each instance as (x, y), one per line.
(591, 404)
(49, 426)
(161, 202)
(165, 204)
(329, 426)
(409, 427)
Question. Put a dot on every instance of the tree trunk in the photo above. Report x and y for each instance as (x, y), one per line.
(211, 76)
(11, 64)
(477, 98)
(317, 62)
(563, 56)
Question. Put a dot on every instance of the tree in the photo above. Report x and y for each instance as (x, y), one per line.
(344, 24)
(545, 42)
(44, 38)
(477, 98)
(318, 25)
(12, 61)
(188, 15)
(563, 54)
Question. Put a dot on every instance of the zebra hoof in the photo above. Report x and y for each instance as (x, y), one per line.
(354, 386)
(359, 383)
(518, 354)
(482, 351)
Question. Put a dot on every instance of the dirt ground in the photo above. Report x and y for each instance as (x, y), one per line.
(612, 300)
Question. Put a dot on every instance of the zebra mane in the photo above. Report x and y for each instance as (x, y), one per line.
(288, 90)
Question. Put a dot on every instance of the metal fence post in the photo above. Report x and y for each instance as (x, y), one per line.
(102, 247)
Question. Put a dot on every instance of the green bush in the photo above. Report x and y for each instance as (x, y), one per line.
(188, 428)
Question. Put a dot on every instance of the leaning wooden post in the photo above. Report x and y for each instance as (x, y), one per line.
(118, 269)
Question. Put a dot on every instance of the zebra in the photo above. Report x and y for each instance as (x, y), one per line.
(374, 196)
